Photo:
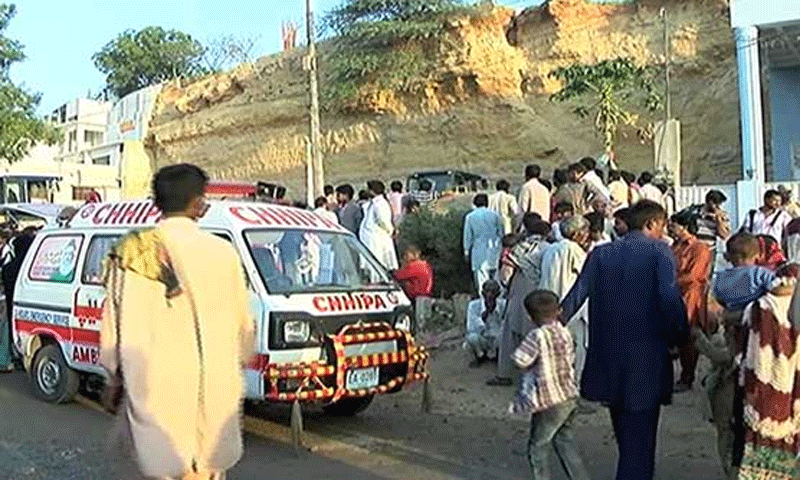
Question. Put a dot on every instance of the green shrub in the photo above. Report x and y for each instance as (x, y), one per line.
(439, 238)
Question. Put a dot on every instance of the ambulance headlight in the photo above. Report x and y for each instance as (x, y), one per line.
(403, 322)
(296, 331)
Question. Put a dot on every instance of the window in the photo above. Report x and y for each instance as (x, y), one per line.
(56, 259)
(104, 160)
(92, 138)
(98, 251)
(72, 142)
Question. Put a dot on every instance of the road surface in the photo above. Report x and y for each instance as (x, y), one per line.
(467, 435)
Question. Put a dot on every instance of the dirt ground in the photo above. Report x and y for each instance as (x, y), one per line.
(470, 431)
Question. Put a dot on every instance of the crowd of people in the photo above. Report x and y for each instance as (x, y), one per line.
(592, 289)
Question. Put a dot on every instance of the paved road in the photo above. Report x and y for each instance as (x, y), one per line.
(466, 436)
(68, 442)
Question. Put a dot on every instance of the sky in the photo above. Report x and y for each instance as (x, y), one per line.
(60, 36)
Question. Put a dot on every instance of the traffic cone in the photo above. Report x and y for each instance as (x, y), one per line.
(296, 425)
(427, 396)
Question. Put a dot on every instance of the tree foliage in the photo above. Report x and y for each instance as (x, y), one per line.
(20, 127)
(386, 42)
(227, 51)
(439, 238)
(612, 86)
(153, 55)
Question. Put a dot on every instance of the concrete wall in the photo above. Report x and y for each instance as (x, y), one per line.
(763, 12)
(784, 85)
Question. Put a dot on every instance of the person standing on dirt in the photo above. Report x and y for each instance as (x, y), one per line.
(176, 333)
(534, 197)
(636, 313)
(483, 232)
(395, 198)
(504, 204)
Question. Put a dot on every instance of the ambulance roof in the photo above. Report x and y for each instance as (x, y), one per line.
(230, 215)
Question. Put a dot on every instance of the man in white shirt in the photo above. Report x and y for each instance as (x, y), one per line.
(619, 190)
(395, 198)
(321, 209)
(534, 197)
(648, 191)
(505, 205)
(484, 320)
(770, 219)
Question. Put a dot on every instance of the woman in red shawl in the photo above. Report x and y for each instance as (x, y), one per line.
(770, 374)
(772, 256)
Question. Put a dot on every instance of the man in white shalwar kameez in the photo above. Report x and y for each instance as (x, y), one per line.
(562, 262)
(377, 227)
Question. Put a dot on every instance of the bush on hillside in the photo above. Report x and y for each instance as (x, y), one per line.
(439, 238)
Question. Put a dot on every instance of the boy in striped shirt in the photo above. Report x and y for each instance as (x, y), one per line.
(548, 391)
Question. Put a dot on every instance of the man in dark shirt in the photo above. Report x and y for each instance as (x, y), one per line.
(629, 363)
(349, 212)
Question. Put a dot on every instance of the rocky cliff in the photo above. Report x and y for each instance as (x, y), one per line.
(486, 109)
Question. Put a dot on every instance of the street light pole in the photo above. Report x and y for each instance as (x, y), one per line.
(315, 151)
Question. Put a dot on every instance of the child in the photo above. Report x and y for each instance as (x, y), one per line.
(548, 391)
(744, 282)
(416, 276)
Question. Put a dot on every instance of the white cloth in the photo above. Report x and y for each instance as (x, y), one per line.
(494, 321)
(595, 185)
(483, 231)
(327, 214)
(772, 224)
(562, 262)
(557, 231)
(505, 205)
(376, 232)
(652, 193)
(175, 418)
(396, 202)
(619, 191)
(535, 198)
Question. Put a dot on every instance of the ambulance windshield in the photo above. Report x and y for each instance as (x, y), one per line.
(304, 261)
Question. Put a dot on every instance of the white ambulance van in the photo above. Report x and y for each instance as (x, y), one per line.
(331, 325)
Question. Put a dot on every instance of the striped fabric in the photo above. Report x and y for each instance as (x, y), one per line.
(548, 356)
(771, 371)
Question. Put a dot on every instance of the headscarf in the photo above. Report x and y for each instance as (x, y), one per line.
(771, 255)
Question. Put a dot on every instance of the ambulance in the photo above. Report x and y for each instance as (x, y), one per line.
(331, 325)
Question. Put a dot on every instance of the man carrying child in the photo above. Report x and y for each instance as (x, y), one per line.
(548, 391)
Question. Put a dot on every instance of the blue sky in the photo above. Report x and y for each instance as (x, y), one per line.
(60, 36)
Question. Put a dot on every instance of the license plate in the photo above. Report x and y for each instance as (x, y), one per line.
(361, 378)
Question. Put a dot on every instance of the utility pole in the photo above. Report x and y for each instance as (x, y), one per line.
(314, 136)
(667, 65)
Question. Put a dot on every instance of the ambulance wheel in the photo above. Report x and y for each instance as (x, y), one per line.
(348, 407)
(53, 380)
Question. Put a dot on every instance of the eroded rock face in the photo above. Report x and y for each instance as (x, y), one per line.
(485, 108)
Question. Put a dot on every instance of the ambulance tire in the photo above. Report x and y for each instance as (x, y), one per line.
(53, 380)
(348, 407)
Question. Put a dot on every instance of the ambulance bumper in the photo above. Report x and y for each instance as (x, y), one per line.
(327, 381)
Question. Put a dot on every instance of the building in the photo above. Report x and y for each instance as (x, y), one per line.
(767, 35)
(102, 149)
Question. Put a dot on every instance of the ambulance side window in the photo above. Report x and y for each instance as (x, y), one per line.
(95, 258)
(56, 259)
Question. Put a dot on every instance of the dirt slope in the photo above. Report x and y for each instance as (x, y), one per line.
(485, 110)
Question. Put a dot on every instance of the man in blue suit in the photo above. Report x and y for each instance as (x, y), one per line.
(483, 233)
(636, 316)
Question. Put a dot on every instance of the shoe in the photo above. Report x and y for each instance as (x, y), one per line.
(681, 387)
(499, 382)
